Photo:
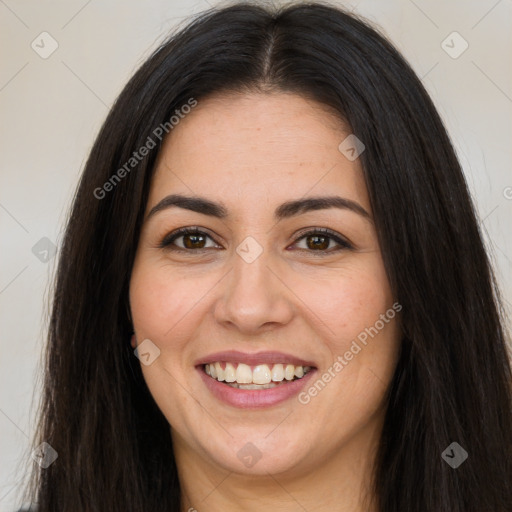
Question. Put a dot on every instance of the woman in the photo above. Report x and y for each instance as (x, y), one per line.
(273, 291)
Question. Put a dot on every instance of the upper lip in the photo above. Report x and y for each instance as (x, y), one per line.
(253, 359)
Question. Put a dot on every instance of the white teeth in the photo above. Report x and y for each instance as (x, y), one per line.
(289, 372)
(219, 371)
(229, 373)
(261, 374)
(277, 373)
(262, 377)
(243, 374)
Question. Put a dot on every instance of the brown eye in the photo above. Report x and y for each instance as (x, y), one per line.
(193, 241)
(187, 239)
(320, 239)
(318, 242)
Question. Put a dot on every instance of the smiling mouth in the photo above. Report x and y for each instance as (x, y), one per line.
(262, 376)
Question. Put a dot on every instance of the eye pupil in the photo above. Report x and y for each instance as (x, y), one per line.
(323, 244)
(189, 241)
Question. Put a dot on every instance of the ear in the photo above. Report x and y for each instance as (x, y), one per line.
(133, 341)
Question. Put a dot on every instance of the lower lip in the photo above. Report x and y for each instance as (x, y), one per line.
(254, 398)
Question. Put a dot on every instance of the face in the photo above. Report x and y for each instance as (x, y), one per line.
(268, 285)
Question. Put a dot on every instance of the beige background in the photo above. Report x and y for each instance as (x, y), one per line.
(52, 108)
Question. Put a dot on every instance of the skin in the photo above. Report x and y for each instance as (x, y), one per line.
(253, 152)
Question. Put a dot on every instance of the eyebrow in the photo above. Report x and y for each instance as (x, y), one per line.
(284, 211)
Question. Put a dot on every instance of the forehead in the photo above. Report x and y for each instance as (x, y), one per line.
(256, 148)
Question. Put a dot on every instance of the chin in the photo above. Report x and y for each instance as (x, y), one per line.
(256, 453)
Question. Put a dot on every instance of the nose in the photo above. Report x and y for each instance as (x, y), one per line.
(254, 297)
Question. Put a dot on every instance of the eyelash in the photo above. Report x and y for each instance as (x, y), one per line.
(168, 240)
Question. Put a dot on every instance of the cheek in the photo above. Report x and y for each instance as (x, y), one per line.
(162, 305)
(349, 300)
(162, 301)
